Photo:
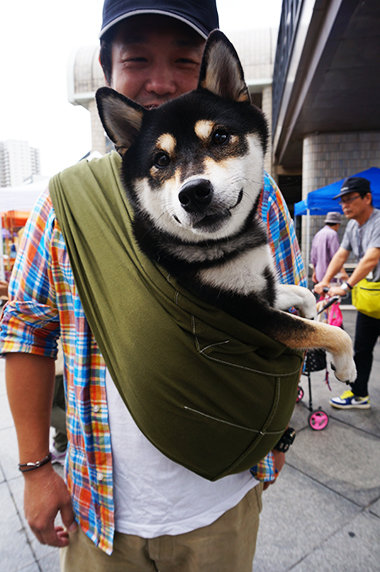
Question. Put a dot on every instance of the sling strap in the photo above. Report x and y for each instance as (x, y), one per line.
(210, 392)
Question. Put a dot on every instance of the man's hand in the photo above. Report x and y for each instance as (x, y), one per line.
(279, 462)
(318, 288)
(45, 495)
(343, 275)
(337, 291)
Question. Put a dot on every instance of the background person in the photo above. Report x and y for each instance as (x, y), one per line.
(325, 244)
(136, 509)
(362, 237)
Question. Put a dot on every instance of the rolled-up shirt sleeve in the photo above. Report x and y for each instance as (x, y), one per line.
(30, 320)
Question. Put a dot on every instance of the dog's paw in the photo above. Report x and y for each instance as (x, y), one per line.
(307, 308)
(289, 296)
(344, 368)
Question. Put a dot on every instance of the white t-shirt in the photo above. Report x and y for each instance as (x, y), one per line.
(154, 495)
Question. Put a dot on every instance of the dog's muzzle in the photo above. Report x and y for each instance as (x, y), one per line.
(196, 195)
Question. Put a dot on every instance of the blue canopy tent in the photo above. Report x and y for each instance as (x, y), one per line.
(320, 202)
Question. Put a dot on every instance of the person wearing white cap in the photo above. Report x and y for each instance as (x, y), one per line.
(324, 246)
(124, 505)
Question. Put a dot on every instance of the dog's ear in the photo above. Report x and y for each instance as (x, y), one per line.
(221, 71)
(121, 117)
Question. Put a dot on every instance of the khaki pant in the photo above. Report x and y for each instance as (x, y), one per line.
(227, 545)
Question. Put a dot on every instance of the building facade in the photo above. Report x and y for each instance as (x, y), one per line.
(18, 163)
(326, 115)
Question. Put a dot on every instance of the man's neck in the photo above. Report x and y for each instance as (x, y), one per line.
(363, 217)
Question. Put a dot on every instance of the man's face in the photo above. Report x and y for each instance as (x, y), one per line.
(155, 59)
(354, 205)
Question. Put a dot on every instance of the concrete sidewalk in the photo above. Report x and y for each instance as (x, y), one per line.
(322, 514)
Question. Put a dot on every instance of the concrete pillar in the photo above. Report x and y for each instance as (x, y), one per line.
(98, 137)
(267, 109)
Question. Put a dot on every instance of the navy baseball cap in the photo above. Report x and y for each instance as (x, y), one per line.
(352, 184)
(201, 15)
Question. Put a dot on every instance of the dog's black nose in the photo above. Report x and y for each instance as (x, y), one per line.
(195, 196)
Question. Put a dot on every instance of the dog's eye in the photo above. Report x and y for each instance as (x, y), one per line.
(220, 137)
(161, 160)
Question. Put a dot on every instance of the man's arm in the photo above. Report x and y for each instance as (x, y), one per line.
(30, 384)
(333, 268)
(365, 265)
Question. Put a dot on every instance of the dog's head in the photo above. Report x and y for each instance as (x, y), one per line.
(194, 165)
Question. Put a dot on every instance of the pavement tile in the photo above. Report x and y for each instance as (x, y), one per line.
(9, 458)
(366, 419)
(31, 568)
(298, 516)
(15, 551)
(6, 419)
(50, 563)
(3, 390)
(354, 548)
(375, 509)
(343, 459)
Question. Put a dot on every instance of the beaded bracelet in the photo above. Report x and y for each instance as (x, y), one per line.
(36, 465)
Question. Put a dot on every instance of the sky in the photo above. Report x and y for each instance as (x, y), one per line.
(37, 38)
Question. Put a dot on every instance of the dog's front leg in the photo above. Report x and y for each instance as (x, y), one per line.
(298, 333)
(288, 296)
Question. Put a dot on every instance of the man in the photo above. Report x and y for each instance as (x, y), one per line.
(324, 246)
(362, 237)
(136, 509)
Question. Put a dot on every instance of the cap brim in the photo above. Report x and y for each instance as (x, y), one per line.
(201, 32)
(341, 194)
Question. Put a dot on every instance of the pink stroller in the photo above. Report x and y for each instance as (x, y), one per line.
(315, 360)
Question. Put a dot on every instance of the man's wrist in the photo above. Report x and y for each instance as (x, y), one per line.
(346, 286)
(285, 441)
(34, 465)
(323, 284)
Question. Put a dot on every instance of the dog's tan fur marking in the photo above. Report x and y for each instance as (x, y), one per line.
(330, 338)
(166, 142)
(318, 335)
(204, 128)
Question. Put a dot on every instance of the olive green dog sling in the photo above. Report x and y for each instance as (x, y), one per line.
(210, 392)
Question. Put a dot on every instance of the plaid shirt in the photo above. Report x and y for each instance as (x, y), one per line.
(44, 304)
(281, 235)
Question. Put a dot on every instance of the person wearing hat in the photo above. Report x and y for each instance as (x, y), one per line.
(124, 505)
(362, 237)
(324, 246)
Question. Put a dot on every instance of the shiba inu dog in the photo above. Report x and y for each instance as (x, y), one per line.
(193, 172)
